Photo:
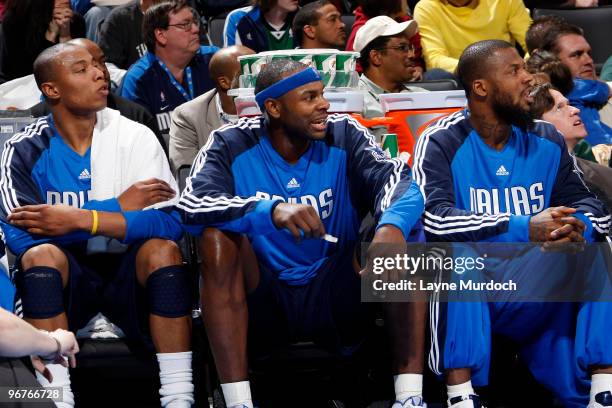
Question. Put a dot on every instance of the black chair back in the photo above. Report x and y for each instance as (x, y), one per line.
(437, 85)
(215, 31)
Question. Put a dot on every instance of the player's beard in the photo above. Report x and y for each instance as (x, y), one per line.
(510, 112)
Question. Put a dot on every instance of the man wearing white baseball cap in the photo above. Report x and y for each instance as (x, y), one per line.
(386, 59)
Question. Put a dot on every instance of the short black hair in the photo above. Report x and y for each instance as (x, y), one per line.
(158, 16)
(376, 44)
(538, 29)
(551, 39)
(474, 61)
(307, 15)
(548, 63)
(45, 64)
(542, 100)
(275, 71)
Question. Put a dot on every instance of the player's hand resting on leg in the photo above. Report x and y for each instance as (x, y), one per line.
(145, 193)
(296, 218)
(51, 220)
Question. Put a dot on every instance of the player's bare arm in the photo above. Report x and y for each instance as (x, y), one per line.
(56, 220)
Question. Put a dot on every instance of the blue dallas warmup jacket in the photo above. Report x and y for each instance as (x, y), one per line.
(148, 84)
(476, 194)
(38, 167)
(238, 176)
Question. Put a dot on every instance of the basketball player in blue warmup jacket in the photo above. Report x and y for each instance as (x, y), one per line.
(49, 220)
(267, 190)
(489, 174)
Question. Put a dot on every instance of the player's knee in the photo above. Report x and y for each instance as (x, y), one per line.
(169, 292)
(220, 254)
(156, 254)
(47, 255)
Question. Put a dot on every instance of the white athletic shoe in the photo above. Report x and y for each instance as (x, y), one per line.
(99, 327)
(602, 400)
(410, 402)
(465, 401)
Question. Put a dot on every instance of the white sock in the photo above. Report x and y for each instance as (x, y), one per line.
(175, 377)
(600, 383)
(408, 385)
(459, 389)
(61, 378)
(237, 393)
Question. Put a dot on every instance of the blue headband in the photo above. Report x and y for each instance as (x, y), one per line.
(285, 85)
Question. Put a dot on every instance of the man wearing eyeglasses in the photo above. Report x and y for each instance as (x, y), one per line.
(386, 59)
(175, 68)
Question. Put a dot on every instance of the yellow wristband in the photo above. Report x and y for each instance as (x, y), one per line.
(94, 225)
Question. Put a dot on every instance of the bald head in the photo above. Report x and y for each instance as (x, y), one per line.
(224, 64)
(46, 64)
(91, 46)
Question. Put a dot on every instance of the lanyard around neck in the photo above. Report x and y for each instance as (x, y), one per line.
(188, 96)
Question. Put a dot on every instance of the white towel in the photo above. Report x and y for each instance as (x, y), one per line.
(124, 152)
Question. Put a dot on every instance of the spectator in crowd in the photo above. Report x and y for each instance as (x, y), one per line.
(397, 10)
(318, 25)
(95, 14)
(129, 109)
(567, 42)
(266, 26)
(121, 33)
(550, 105)
(29, 27)
(386, 59)
(74, 183)
(193, 121)
(465, 164)
(175, 68)
(94, 17)
(288, 259)
(547, 68)
(447, 27)
(536, 34)
(18, 339)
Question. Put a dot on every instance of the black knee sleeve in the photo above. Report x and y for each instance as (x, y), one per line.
(168, 292)
(41, 292)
